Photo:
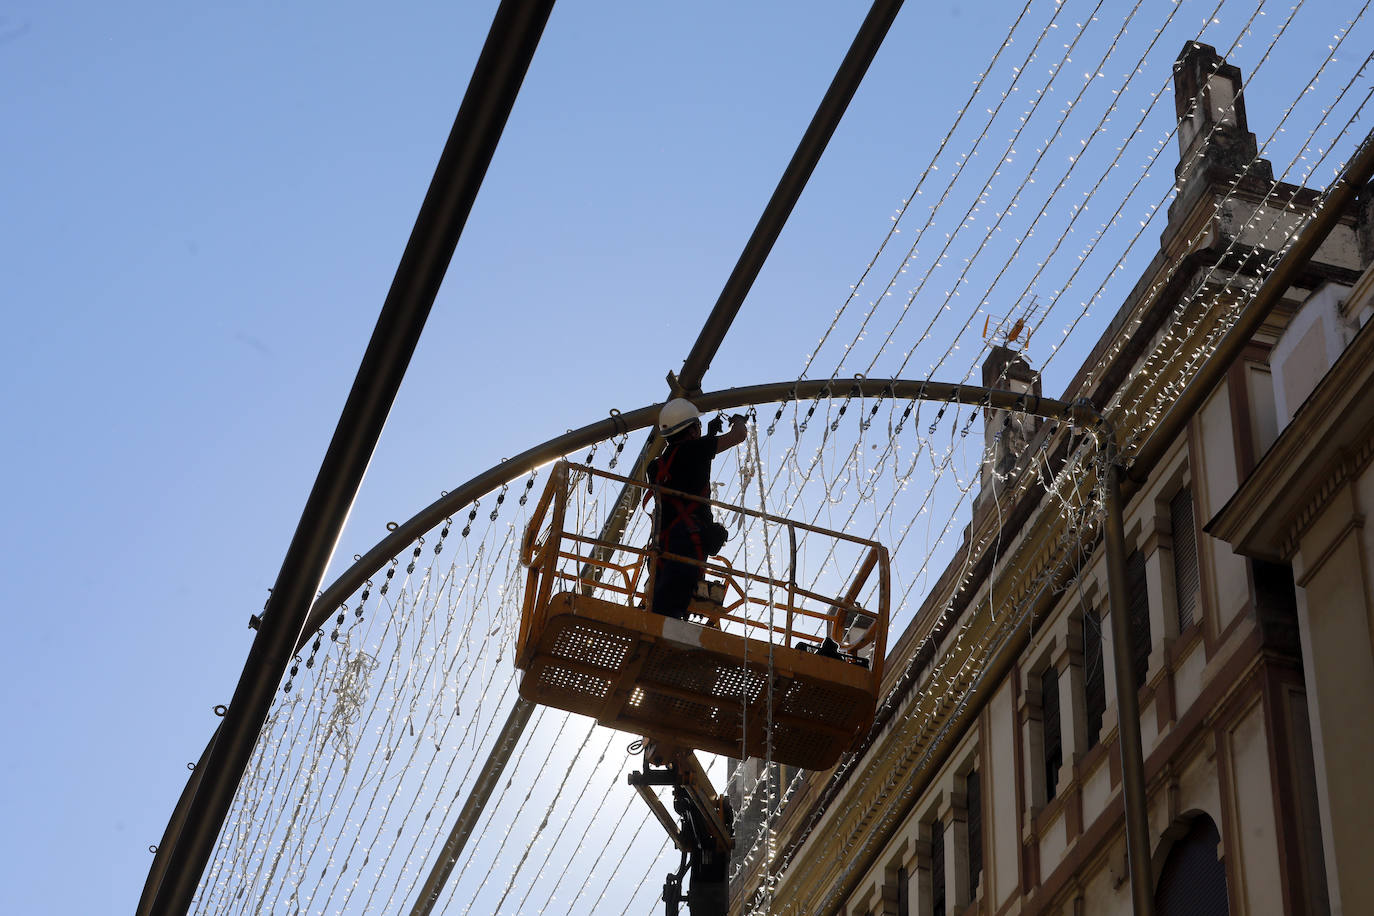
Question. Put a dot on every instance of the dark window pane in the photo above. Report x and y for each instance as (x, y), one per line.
(903, 893)
(1049, 711)
(937, 869)
(974, 791)
(1138, 595)
(1094, 683)
(1186, 583)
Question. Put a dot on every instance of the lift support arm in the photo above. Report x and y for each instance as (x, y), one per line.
(705, 834)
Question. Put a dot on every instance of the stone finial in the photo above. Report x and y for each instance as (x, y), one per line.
(1214, 139)
(1005, 434)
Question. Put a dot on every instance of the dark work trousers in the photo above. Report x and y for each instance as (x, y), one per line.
(674, 582)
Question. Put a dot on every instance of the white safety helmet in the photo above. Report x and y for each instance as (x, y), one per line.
(676, 415)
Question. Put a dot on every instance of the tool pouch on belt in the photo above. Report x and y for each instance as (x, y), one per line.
(713, 537)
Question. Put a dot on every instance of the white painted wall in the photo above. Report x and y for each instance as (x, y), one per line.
(1230, 588)
(1308, 347)
(1002, 873)
(1257, 837)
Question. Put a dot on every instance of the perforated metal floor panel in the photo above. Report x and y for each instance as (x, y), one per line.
(694, 686)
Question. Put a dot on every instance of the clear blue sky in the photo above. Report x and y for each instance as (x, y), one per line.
(203, 207)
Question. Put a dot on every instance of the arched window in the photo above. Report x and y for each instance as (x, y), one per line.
(1193, 879)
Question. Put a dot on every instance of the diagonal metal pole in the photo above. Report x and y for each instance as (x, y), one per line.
(775, 214)
(491, 93)
(794, 179)
(472, 808)
(818, 133)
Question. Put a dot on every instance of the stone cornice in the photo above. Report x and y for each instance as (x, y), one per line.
(1329, 441)
(1348, 466)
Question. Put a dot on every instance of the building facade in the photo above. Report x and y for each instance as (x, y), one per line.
(991, 783)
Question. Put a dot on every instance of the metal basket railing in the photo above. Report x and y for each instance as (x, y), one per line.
(779, 608)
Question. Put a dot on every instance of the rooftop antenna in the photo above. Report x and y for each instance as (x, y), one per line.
(1009, 330)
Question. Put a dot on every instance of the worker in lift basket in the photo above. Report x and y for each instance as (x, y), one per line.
(685, 526)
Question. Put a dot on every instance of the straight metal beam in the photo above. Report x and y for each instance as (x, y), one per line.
(476, 803)
(798, 172)
(775, 214)
(491, 93)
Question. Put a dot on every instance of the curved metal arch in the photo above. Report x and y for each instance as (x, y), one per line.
(1080, 411)
(617, 423)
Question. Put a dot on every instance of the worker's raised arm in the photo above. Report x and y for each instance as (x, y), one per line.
(738, 430)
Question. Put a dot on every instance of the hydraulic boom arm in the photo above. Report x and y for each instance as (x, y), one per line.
(704, 831)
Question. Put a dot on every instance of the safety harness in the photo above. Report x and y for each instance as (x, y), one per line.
(681, 514)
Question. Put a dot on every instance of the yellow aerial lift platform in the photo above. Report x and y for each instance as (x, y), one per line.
(767, 650)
